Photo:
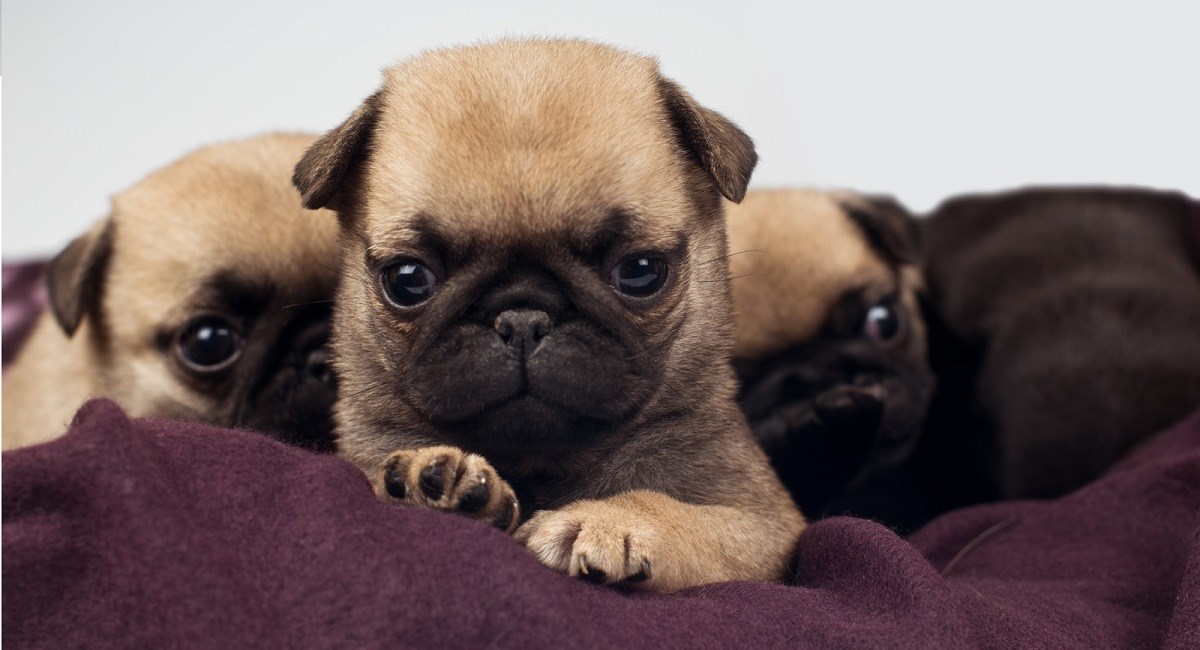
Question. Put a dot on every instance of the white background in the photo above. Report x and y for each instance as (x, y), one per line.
(919, 99)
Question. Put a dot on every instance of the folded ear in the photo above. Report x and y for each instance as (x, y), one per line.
(721, 148)
(889, 227)
(75, 277)
(320, 173)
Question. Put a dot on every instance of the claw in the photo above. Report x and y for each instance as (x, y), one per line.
(591, 574)
(642, 575)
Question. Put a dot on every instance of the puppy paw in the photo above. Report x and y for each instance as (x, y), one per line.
(448, 478)
(851, 407)
(595, 541)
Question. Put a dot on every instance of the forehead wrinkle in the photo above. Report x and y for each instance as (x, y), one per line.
(500, 182)
(501, 134)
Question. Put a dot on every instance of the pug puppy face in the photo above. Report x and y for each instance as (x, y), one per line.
(526, 271)
(205, 295)
(831, 344)
(535, 308)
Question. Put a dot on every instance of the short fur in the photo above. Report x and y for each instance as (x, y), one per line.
(1067, 330)
(832, 407)
(521, 171)
(219, 231)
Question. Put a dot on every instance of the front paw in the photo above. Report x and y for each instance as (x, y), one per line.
(844, 417)
(448, 478)
(596, 541)
(850, 407)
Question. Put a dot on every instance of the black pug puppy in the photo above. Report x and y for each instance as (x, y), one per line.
(1065, 330)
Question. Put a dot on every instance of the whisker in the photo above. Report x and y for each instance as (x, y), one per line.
(370, 386)
(338, 271)
(677, 393)
(301, 304)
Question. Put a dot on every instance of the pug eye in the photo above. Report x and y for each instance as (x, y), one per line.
(881, 324)
(209, 343)
(639, 276)
(409, 283)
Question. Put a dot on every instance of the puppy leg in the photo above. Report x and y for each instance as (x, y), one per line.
(448, 478)
(651, 541)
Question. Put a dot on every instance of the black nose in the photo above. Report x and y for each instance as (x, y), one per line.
(523, 329)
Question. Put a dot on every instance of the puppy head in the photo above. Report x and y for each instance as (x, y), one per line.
(205, 294)
(528, 231)
(828, 322)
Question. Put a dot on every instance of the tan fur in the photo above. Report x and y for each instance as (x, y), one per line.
(225, 206)
(643, 532)
(500, 169)
(530, 143)
(794, 253)
(458, 473)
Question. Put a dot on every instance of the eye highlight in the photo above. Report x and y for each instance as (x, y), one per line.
(209, 343)
(408, 283)
(639, 276)
(881, 324)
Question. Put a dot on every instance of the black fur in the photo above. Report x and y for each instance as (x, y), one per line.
(1070, 322)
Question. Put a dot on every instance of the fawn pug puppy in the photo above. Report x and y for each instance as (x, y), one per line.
(528, 228)
(831, 346)
(204, 295)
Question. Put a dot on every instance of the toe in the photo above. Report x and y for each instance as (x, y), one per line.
(433, 478)
(393, 480)
(475, 497)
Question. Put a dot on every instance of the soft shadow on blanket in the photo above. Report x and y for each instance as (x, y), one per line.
(163, 534)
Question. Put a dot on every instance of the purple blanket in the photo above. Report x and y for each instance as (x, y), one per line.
(24, 299)
(161, 534)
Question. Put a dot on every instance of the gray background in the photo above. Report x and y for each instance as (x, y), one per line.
(918, 99)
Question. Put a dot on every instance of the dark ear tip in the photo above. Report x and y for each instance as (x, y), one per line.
(64, 308)
(69, 323)
(889, 227)
(311, 196)
(73, 276)
(313, 200)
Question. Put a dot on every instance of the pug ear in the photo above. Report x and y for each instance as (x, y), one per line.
(722, 149)
(889, 227)
(321, 171)
(75, 277)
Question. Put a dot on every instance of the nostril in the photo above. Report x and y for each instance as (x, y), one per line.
(504, 327)
(540, 329)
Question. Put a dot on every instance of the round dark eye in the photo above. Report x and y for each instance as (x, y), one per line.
(409, 283)
(209, 343)
(881, 323)
(639, 276)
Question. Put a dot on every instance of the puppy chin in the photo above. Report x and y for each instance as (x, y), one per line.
(524, 427)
